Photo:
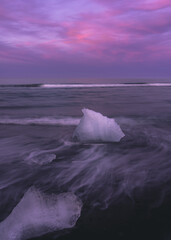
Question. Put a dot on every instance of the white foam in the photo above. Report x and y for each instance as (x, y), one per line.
(40, 121)
(37, 214)
(105, 85)
(94, 127)
(79, 85)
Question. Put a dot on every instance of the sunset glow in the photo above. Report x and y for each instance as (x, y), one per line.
(85, 39)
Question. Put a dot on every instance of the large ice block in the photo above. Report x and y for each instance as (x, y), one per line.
(37, 214)
(94, 127)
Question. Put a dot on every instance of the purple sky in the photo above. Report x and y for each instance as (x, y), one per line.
(84, 40)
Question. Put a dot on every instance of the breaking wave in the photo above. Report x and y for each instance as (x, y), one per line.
(95, 85)
(41, 121)
(105, 85)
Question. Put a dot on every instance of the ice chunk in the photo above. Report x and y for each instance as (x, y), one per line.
(40, 157)
(94, 127)
(38, 213)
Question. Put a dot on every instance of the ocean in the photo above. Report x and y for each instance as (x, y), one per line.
(118, 190)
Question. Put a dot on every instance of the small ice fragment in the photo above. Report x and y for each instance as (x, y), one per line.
(94, 127)
(37, 214)
(40, 158)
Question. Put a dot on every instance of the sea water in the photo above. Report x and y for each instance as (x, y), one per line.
(124, 187)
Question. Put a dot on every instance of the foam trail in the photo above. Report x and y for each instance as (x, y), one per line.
(102, 178)
(104, 173)
(40, 121)
(37, 214)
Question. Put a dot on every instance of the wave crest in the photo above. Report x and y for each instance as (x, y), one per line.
(40, 121)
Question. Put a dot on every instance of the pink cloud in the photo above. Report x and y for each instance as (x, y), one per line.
(118, 32)
(153, 4)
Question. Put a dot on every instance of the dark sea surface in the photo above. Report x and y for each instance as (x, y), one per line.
(125, 187)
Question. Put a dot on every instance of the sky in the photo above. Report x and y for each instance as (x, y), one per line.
(84, 40)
